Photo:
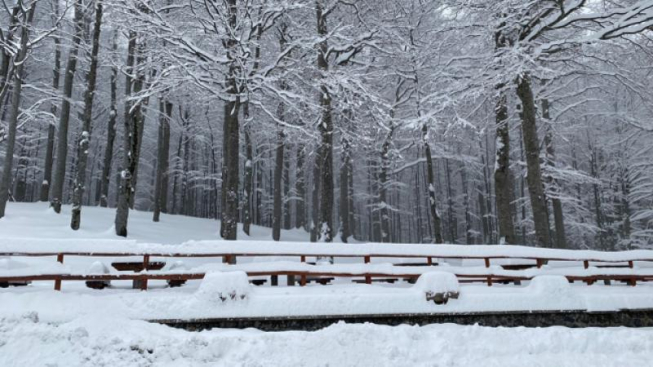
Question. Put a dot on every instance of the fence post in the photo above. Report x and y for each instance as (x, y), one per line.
(368, 279)
(489, 277)
(302, 280)
(146, 264)
(57, 282)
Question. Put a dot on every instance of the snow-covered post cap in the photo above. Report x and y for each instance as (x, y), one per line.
(438, 286)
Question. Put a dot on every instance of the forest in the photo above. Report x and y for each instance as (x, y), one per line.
(398, 121)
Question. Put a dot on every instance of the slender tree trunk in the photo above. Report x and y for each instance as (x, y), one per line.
(64, 118)
(345, 210)
(300, 188)
(315, 197)
(326, 132)
(435, 216)
(286, 194)
(502, 182)
(19, 64)
(278, 171)
(125, 191)
(87, 117)
(163, 154)
(231, 138)
(6, 73)
(248, 182)
(532, 147)
(558, 218)
(111, 132)
(49, 150)
(383, 187)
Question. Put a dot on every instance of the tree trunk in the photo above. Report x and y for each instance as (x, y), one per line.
(64, 118)
(111, 132)
(278, 171)
(345, 210)
(300, 188)
(326, 132)
(315, 197)
(558, 218)
(231, 138)
(383, 187)
(435, 216)
(532, 150)
(248, 182)
(163, 154)
(502, 182)
(83, 146)
(125, 191)
(19, 62)
(49, 150)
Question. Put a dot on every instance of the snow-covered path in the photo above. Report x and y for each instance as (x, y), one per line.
(25, 341)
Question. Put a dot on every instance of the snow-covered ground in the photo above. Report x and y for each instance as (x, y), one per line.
(37, 220)
(27, 341)
(84, 327)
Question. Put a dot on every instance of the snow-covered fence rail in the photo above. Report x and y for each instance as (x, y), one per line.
(621, 264)
(116, 248)
(493, 273)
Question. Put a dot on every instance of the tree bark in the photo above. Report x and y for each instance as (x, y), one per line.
(502, 182)
(163, 163)
(248, 179)
(111, 132)
(383, 187)
(326, 132)
(231, 138)
(300, 188)
(345, 210)
(532, 150)
(19, 62)
(125, 191)
(277, 197)
(435, 216)
(49, 150)
(87, 117)
(560, 240)
(64, 118)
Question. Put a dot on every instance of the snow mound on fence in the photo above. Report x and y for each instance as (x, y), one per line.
(98, 267)
(219, 287)
(438, 286)
(554, 285)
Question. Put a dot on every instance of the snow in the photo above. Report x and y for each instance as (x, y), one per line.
(28, 341)
(83, 327)
(435, 282)
(552, 285)
(218, 287)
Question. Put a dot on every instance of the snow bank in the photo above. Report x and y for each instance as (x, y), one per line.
(121, 342)
(218, 287)
(438, 286)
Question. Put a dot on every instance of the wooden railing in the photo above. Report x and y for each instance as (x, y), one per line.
(616, 266)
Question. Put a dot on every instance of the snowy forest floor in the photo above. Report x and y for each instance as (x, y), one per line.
(83, 327)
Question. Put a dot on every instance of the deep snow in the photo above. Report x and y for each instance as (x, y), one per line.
(27, 341)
